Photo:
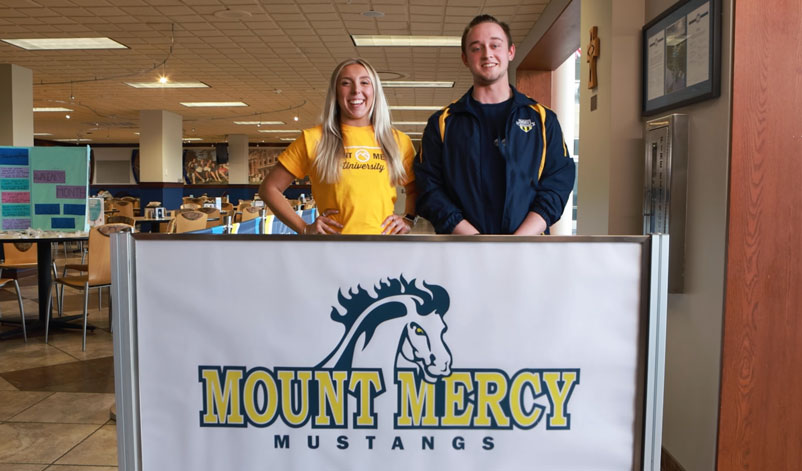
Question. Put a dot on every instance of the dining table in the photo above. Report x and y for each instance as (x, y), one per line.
(43, 241)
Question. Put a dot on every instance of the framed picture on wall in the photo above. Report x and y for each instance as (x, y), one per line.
(682, 56)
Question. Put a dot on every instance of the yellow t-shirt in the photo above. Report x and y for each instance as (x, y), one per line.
(363, 196)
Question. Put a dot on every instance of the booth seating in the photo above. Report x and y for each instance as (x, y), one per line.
(97, 275)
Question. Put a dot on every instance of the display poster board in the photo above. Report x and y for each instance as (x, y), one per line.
(682, 56)
(44, 188)
(397, 353)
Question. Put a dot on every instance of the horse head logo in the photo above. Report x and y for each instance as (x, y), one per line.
(415, 311)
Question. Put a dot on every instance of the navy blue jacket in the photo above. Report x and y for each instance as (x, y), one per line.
(539, 171)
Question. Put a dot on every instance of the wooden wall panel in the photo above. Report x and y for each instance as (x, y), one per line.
(760, 425)
(535, 83)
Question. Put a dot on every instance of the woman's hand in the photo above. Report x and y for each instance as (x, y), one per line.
(324, 224)
(395, 224)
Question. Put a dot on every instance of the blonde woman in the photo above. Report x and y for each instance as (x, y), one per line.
(355, 159)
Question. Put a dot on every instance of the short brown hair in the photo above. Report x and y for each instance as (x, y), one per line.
(486, 19)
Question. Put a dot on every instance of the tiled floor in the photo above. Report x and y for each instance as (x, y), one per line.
(55, 399)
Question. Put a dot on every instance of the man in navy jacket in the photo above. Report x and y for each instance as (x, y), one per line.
(494, 161)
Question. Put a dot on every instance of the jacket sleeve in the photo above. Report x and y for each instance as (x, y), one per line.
(433, 202)
(559, 172)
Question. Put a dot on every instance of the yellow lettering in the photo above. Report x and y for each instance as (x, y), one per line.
(414, 401)
(287, 380)
(489, 398)
(559, 395)
(224, 400)
(519, 415)
(331, 398)
(457, 387)
(270, 401)
(368, 383)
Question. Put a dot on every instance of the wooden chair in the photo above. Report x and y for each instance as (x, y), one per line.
(188, 221)
(21, 256)
(240, 207)
(124, 208)
(121, 220)
(190, 206)
(134, 200)
(3, 283)
(212, 213)
(227, 207)
(249, 213)
(98, 272)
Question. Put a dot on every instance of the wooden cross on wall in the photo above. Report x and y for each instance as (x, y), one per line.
(593, 53)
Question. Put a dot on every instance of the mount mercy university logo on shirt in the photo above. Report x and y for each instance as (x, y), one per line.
(363, 156)
(525, 124)
(391, 369)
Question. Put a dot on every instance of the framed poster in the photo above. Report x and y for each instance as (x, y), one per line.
(682, 56)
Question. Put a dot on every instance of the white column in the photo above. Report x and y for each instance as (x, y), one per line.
(160, 146)
(563, 83)
(237, 158)
(16, 106)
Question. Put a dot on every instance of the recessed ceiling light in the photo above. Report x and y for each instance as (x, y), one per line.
(73, 140)
(409, 123)
(200, 104)
(397, 40)
(373, 14)
(413, 133)
(229, 14)
(193, 138)
(42, 134)
(47, 109)
(280, 130)
(269, 123)
(65, 43)
(168, 84)
(416, 108)
(416, 84)
(287, 138)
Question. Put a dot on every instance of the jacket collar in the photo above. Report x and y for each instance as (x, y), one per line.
(463, 104)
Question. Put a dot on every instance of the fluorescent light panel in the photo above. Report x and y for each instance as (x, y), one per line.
(73, 140)
(49, 109)
(409, 123)
(415, 108)
(397, 40)
(167, 84)
(193, 138)
(416, 84)
(42, 44)
(280, 130)
(42, 134)
(413, 133)
(287, 138)
(256, 123)
(201, 104)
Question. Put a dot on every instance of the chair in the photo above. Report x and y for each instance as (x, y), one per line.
(124, 208)
(249, 213)
(3, 283)
(98, 272)
(188, 221)
(20, 256)
(190, 206)
(227, 207)
(212, 213)
(134, 200)
(240, 207)
(121, 220)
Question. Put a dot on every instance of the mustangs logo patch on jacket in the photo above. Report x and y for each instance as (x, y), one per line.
(526, 125)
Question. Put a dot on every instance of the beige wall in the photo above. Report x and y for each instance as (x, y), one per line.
(610, 145)
(610, 198)
(695, 317)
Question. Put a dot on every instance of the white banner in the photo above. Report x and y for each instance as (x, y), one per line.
(388, 355)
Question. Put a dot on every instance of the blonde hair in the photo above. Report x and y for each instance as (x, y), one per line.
(330, 150)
